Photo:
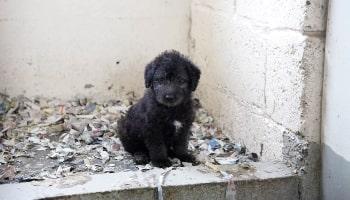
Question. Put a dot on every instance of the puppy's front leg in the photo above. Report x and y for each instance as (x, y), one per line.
(158, 152)
(181, 148)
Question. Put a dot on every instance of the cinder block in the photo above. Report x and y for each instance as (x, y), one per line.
(285, 78)
(302, 15)
(273, 13)
(230, 54)
(245, 123)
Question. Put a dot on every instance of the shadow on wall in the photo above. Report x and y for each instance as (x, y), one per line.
(336, 175)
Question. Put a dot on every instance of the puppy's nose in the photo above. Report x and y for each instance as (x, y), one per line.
(169, 97)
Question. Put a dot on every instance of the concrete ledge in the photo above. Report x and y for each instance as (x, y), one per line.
(263, 180)
(274, 189)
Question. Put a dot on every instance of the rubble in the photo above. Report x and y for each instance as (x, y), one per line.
(44, 138)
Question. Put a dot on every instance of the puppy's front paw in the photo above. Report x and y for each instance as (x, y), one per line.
(195, 162)
(161, 163)
(189, 158)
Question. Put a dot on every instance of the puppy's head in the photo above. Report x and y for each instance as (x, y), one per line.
(172, 77)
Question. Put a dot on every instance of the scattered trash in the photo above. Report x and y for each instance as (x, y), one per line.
(56, 128)
(229, 147)
(5, 104)
(97, 168)
(104, 155)
(44, 138)
(239, 148)
(109, 169)
(87, 137)
(55, 119)
(89, 108)
(226, 160)
(254, 157)
(63, 170)
(8, 172)
(144, 168)
(2, 160)
(213, 144)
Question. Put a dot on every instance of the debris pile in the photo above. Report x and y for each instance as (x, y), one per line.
(212, 146)
(45, 138)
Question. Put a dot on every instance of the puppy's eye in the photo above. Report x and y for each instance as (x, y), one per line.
(181, 80)
(159, 80)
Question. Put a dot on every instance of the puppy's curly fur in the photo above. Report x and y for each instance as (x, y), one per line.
(158, 125)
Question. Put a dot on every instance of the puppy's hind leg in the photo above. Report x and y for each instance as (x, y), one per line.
(141, 158)
(137, 149)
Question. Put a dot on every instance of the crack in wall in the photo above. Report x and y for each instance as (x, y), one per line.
(255, 23)
(265, 79)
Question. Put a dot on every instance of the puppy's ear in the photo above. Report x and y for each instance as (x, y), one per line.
(149, 72)
(194, 74)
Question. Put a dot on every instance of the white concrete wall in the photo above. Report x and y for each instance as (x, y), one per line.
(336, 104)
(56, 47)
(262, 64)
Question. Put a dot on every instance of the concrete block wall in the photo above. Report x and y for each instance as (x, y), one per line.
(61, 48)
(262, 64)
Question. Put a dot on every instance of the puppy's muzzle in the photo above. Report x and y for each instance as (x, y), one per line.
(170, 98)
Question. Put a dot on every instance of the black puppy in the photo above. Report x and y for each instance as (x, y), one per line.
(158, 125)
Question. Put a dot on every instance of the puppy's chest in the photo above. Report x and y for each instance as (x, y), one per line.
(177, 125)
(173, 128)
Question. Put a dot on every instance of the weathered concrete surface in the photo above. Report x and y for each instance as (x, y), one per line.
(128, 184)
(264, 180)
(94, 48)
(263, 61)
(268, 190)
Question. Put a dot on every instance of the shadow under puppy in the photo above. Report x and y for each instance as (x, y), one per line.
(158, 125)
